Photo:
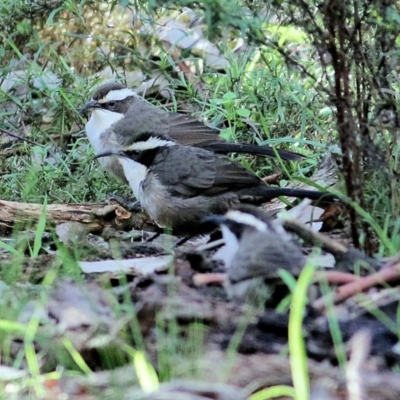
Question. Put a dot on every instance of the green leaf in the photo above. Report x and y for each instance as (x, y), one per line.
(243, 112)
(50, 19)
(76, 356)
(288, 34)
(229, 96)
(326, 112)
(226, 133)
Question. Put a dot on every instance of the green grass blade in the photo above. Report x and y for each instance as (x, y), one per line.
(10, 249)
(272, 392)
(37, 244)
(298, 356)
(30, 353)
(145, 372)
(12, 327)
(80, 362)
(334, 327)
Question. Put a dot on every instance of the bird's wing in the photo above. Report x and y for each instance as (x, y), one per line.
(189, 171)
(188, 131)
(141, 118)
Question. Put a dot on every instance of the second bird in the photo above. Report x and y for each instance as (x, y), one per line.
(118, 115)
(179, 185)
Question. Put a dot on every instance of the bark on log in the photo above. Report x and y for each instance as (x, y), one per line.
(96, 216)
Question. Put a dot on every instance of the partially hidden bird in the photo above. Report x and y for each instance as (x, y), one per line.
(255, 245)
(119, 115)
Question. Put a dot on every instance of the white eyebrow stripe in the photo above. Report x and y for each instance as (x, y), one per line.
(116, 95)
(247, 219)
(151, 143)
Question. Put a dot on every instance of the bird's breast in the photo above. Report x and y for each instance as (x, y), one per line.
(153, 196)
(136, 175)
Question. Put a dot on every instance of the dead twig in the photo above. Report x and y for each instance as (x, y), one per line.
(355, 374)
(385, 275)
(336, 277)
(205, 279)
(24, 139)
(315, 238)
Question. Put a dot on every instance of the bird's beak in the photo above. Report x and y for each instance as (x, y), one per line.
(214, 219)
(109, 153)
(92, 105)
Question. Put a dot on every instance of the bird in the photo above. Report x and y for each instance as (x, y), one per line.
(119, 109)
(180, 185)
(256, 245)
(256, 248)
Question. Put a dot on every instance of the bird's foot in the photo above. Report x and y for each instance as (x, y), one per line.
(128, 204)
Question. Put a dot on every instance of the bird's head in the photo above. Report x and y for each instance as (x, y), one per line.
(241, 219)
(111, 97)
(109, 104)
(137, 150)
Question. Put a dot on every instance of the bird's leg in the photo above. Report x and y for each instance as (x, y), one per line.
(151, 238)
(181, 241)
(128, 204)
(178, 243)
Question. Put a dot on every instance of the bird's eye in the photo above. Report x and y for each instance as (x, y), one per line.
(112, 103)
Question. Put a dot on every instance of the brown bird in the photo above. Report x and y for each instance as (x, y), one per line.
(118, 109)
(181, 185)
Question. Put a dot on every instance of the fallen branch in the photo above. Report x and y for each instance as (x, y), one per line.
(94, 215)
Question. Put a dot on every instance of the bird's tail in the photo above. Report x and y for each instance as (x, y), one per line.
(264, 193)
(310, 194)
(226, 148)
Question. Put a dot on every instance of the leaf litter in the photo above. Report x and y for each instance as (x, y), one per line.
(187, 286)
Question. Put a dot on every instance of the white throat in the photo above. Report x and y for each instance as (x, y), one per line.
(135, 173)
(227, 252)
(99, 122)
